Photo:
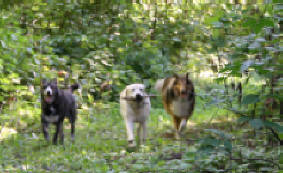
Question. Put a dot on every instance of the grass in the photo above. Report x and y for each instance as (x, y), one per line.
(213, 142)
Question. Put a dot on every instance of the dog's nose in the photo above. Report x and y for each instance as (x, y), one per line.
(183, 92)
(138, 97)
(48, 93)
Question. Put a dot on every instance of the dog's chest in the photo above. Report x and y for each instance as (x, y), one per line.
(51, 115)
(51, 118)
(139, 112)
(181, 107)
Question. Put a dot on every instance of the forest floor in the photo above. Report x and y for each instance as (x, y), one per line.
(213, 142)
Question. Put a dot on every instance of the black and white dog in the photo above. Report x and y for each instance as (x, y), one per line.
(57, 104)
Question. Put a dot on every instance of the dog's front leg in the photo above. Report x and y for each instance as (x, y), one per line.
(183, 125)
(45, 130)
(142, 133)
(144, 127)
(59, 131)
(72, 119)
(139, 133)
(130, 132)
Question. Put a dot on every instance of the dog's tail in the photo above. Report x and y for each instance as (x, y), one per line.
(159, 85)
(74, 87)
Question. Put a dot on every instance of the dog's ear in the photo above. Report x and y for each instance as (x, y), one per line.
(126, 92)
(175, 75)
(192, 94)
(175, 79)
(187, 78)
(43, 82)
(170, 86)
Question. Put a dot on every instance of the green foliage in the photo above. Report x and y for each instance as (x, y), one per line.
(121, 42)
(250, 99)
(257, 124)
(100, 146)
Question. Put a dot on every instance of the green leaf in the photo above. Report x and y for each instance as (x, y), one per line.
(275, 126)
(220, 133)
(217, 25)
(228, 145)
(256, 123)
(243, 119)
(250, 99)
(210, 142)
(246, 65)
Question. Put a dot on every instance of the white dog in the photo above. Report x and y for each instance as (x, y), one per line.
(135, 107)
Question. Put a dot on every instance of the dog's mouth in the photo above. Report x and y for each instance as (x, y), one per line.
(139, 98)
(48, 99)
(183, 95)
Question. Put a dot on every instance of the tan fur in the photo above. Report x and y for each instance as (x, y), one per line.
(178, 99)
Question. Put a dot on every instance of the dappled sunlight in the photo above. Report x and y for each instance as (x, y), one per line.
(229, 49)
(100, 143)
(7, 133)
(162, 122)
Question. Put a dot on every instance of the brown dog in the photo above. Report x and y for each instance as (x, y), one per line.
(178, 99)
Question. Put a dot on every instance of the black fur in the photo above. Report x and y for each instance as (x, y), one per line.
(57, 104)
(187, 78)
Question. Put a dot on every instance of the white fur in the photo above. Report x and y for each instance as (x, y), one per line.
(134, 111)
(183, 125)
(48, 88)
(51, 118)
(181, 107)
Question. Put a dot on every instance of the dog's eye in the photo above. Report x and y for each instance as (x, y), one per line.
(133, 89)
(141, 89)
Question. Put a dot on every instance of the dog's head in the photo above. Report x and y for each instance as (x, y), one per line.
(182, 86)
(135, 92)
(49, 90)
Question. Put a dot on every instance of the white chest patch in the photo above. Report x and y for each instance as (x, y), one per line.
(181, 107)
(52, 119)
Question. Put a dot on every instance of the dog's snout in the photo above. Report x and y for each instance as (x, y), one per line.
(183, 92)
(138, 97)
(48, 93)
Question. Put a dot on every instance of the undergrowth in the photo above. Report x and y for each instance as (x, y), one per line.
(209, 144)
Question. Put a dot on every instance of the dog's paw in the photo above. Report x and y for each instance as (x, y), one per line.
(131, 144)
(178, 135)
(132, 147)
